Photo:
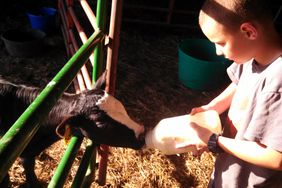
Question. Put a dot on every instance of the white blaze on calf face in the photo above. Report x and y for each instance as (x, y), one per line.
(116, 110)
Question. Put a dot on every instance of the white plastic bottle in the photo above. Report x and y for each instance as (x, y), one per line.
(175, 130)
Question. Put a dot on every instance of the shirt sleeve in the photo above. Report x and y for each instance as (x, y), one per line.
(234, 72)
(266, 123)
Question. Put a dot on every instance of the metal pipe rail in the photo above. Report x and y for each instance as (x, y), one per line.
(70, 23)
(87, 163)
(66, 162)
(18, 136)
(26, 126)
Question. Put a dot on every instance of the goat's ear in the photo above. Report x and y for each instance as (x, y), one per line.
(101, 81)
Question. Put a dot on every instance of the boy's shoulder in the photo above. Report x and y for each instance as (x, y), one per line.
(275, 67)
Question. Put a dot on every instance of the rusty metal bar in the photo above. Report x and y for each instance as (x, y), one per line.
(88, 11)
(80, 30)
(86, 77)
(112, 59)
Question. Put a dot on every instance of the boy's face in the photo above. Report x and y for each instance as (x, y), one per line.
(231, 44)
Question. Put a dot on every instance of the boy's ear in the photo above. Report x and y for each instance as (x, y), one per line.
(249, 30)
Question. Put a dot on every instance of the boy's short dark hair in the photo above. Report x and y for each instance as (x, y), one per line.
(231, 13)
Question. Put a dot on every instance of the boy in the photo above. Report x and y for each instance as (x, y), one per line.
(250, 147)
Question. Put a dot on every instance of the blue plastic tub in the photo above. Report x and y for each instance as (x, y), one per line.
(43, 19)
(199, 67)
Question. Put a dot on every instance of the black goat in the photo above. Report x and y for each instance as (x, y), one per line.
(97, 115)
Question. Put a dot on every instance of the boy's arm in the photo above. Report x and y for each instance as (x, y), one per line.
(221, 103)
(252, 152)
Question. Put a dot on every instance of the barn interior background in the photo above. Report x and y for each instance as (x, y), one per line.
(147, 84)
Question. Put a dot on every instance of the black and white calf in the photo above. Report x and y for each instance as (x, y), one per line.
(94, 113)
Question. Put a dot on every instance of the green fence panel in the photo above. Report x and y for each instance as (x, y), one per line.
(18, 136)
(66, 162)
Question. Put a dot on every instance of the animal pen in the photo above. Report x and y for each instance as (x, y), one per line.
(90, 54)
(82, 60)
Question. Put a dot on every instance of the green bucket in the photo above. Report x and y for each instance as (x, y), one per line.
(199, 67)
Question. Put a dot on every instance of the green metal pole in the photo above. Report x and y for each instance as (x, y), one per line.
(88, 157)
(66, 162)
(101, 10)
(18, 136)
(83, 179)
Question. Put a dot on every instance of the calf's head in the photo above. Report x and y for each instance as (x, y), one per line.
(102, 118)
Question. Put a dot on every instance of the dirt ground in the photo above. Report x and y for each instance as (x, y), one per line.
(148, 86)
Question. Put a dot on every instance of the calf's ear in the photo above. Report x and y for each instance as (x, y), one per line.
(66, 129)
(101, 81)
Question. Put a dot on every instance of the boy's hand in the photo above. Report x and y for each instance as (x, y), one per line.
(199, 140)
(198, 109)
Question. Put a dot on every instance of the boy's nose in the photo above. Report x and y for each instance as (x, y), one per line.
(218, 50)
